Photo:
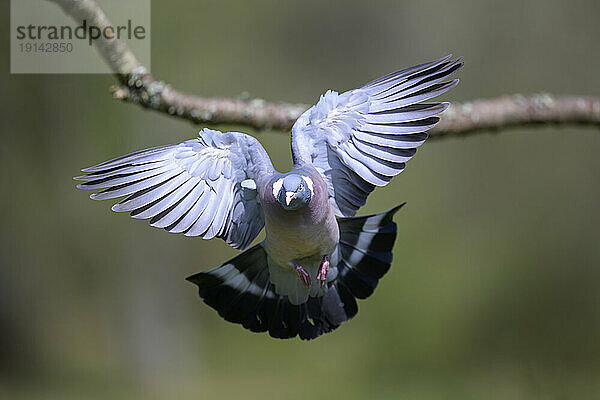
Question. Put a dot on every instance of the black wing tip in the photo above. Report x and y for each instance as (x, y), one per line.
(415, 68)
(442, 59)
(438, 61)
(444, 106)
(458, 61)
(95, 168)
(87, 177)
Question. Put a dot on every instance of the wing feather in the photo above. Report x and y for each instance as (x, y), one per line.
(173, 213)
(188, 219)
(192, 187)
(401, 128)
(410, 113)
(417, 97)
(362, 138)
(165, 202)
(134, 186)
(391, 80)
(150, 195)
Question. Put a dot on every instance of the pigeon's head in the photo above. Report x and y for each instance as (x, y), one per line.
(293, 191)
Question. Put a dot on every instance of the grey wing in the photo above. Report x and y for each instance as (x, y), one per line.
(362, 138)
(202, 187)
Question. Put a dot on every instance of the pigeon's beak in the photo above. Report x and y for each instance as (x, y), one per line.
(288, 197)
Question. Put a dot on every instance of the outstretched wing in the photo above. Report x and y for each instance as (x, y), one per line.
(202, 187)
(362, 138)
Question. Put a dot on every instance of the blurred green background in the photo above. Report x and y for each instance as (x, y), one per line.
(495, 288)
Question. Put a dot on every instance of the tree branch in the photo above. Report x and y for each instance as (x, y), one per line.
(116, 53)
(139, 87)
(517, 110)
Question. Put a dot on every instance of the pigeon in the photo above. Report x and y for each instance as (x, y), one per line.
(317, 257)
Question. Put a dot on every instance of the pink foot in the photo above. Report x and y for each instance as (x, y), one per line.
(323, 268)
(303, 275)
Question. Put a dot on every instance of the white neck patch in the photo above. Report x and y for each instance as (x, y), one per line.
(309, 183)
(277, 187)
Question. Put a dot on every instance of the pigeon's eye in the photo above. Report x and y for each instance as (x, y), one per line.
(301, 187)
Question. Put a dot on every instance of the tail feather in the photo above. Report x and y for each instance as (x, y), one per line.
(241, 292)
(365, 250)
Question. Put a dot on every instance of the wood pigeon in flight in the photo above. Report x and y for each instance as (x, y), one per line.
(317, 257)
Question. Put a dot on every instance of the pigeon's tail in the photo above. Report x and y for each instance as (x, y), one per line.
(365, 251)
(241, 292)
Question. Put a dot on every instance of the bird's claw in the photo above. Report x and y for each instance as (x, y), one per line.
(323, 268)
(303, 275)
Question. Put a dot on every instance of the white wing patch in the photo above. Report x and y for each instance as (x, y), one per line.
(249, 184)
(309, 183)
(277, 187)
